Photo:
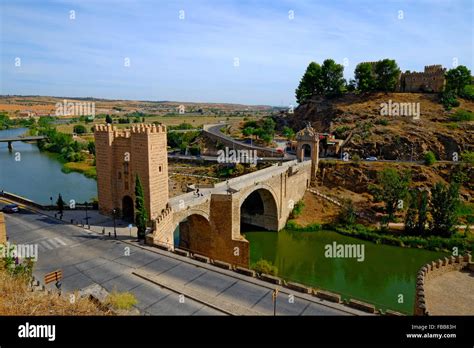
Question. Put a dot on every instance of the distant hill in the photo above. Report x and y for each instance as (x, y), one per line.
(359, 120)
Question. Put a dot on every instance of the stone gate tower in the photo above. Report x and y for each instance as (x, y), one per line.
(121, 155)
(308, 138)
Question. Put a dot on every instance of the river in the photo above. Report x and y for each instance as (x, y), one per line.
(385, 273)
(37, 175)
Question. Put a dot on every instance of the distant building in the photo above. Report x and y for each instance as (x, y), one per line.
(431, 80)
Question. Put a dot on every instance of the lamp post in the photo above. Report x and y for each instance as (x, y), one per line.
(115, 226)
(274, 298)
(51, 199)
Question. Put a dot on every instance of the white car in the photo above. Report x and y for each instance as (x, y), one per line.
(372, 158)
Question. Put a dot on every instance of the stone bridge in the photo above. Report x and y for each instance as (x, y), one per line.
(210, 223)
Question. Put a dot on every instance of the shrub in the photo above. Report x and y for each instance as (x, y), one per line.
(121, 300)
(297, 210)
(382, 121)
(448, 99)
(264, 266)
(462, 115)
(468, 92)
(80, 129)
(468, 157)
(429, 158)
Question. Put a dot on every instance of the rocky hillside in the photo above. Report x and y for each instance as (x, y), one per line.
(358, 119)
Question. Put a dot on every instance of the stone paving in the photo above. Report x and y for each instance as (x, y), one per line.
(451, 293)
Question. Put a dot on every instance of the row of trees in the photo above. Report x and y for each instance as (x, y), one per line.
(263, 129)
(431, 212)
(328, 80)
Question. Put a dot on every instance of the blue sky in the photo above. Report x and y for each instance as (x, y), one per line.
(192, 59)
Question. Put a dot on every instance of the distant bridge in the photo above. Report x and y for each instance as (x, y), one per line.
(30, 138)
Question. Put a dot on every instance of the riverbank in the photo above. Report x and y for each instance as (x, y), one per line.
(434, 243)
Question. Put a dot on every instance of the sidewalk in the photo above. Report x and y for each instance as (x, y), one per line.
(96, 222)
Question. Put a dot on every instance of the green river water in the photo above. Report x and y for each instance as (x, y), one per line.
(385, 273)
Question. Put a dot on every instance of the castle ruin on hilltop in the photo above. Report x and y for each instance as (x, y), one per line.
(431, 80)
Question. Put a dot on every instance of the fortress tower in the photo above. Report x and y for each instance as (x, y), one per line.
(121, 155)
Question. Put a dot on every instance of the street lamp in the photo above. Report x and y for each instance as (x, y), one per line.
(274, 298)
(51, 199)
(115, 226)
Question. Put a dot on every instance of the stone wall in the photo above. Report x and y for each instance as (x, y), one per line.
(435, 269)
(432, 79)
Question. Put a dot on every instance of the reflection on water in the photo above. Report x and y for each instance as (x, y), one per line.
(37, 175)
(385, 273)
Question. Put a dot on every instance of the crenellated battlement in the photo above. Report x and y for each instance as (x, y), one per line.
(431, 79)
(135, 129)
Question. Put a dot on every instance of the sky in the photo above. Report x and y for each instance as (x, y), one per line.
(229, 51)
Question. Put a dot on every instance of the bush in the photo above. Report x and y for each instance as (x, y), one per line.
(462, 115)
(468, 157)
(382, 121)
(80, 129)
(293, 226)
(429, 158)
(297, 210)
(468, 92)
(448, 99)
(121, 300)
(264, 266)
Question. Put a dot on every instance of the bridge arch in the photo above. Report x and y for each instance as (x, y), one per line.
(259, 207)
(192, 231)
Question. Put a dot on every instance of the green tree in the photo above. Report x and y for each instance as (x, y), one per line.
(429, 158)
(411, 214)
(268, 126)
(387, 74)
(391, 189)
(91, 147)
(108, 119)
(443, 209)
(60, 203)
(365, 77)
(348, 214)
(422, 213)
(79, 129)
(310, 83)
(141, 215)
(289, 133)
(332, 78)
(457, 79)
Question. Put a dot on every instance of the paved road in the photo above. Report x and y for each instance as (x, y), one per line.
(87, 258)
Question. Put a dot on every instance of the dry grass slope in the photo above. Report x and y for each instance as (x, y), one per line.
(17, 298)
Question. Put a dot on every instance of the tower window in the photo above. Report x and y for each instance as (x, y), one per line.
(119, 175)
(125, 168)
(160, 168)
